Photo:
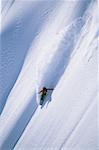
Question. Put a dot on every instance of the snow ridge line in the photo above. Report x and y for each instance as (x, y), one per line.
(23, 130)
(17, 123)
(90, 17)
(6, 10)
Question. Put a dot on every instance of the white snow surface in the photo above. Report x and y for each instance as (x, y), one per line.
(52, 44)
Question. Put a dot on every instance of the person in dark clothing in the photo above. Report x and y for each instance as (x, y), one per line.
(43, 93)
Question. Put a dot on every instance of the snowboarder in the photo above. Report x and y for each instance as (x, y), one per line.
(43, 94)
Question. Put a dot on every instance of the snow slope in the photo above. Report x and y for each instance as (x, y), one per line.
(68, 108)
(16, 39)
(59, 52)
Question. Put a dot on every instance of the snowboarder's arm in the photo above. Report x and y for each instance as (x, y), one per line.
(41, 91)
(50, 89)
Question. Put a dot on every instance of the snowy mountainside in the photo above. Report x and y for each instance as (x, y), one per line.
(78, 75)
(58, 51)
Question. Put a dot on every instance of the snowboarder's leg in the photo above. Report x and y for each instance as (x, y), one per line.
(42, 99)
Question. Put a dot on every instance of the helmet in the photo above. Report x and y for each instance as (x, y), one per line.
(44, 88)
